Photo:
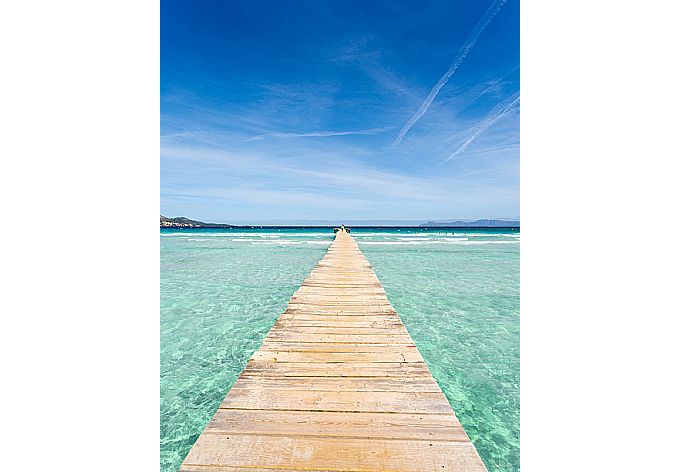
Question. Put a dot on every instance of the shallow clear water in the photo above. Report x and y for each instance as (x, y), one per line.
(456, 290)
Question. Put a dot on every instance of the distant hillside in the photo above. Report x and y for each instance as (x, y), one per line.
(473, 224)
(182, 222)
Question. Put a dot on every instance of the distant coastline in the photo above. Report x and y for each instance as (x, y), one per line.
(472, 224)
(181, 222)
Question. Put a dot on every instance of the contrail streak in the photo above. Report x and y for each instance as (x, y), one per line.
(469, 43)
(320, 134)
(493, 83)
(488, 121)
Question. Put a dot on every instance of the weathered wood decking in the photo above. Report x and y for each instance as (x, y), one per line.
(337, 385)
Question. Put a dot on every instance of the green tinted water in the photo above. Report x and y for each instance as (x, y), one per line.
(457, 292)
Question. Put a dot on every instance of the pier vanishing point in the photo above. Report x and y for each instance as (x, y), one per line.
(337, 385)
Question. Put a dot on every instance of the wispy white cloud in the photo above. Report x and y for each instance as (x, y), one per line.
(331, 175)
(321, 134)
(369, 62)
(464, 51)
(504, 108)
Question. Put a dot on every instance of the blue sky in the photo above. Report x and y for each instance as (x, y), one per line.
(276, 111)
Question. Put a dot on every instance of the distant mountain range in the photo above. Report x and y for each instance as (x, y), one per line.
(473, 224)
(182, 222)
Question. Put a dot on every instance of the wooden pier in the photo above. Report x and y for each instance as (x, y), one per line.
(337, 385)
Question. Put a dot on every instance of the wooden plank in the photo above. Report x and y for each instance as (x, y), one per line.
(389, 402)
(335, 297)
(336, 311)
(333, 454)
(336, 347)
(324, 308)
(343, 328)
(363, 384)
(337, 357)
(339, 338)
(341, 334)
(337, 385)
(316, 288)
(345, 369)
(443, 427)
(338, 323)
(306, 315)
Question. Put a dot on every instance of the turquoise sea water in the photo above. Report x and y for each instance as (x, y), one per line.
(456, 290)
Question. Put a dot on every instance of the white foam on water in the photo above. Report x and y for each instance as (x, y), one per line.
(449, 241)
(174, 234)
(232, 235)
(385, 233)
(490, 242)
(247, 234)
(395, 243)
(257, 241)
(282, 242)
